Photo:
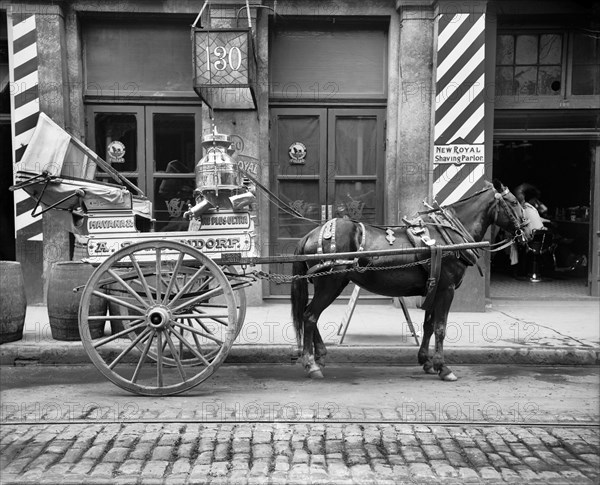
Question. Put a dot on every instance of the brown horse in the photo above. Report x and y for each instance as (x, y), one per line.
(492, 205)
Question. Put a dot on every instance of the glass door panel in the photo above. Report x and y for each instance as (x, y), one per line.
(113, 128)
(298, 152)
(173, 147)
(162, 146)
(355, 159)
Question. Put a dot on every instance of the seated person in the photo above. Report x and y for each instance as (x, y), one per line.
(528, 195)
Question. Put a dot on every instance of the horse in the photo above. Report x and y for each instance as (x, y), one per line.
(494, 204)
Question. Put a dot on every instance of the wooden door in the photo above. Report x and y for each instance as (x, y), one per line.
(325, 163)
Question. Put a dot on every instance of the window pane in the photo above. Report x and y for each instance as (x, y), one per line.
(123, 58)
(323, 62)
(121, 127)
(525, 78)
(550, 49)
(355, 146)
(299, 142)
(586, 80)
(174, 142)
(549, 80)
(171, 200)
(505, 84)
(304, 198)
(505, 49)
(586, 49)
(527, 49)
(356, 200)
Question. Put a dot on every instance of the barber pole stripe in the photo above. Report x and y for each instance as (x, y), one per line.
(458, 165)
(25, 104)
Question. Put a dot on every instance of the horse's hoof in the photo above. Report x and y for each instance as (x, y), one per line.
(315, 374)
(449, 377)
(429, 370)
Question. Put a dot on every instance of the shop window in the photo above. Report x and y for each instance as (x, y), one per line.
(324, 62)
(529, 64)
(126, 59)
(586, 64)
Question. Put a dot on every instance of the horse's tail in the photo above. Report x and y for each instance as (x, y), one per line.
(299, 293)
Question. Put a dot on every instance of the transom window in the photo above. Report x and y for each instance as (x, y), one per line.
(529, 64)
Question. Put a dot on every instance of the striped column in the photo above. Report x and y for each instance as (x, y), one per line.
(25, 108)
(458, 155)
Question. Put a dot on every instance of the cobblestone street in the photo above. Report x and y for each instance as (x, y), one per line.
(297, 453)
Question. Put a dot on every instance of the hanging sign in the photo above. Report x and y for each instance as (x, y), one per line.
(224, 68)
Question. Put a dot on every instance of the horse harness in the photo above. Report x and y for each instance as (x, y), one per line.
(327, 232)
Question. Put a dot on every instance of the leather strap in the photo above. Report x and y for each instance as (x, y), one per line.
(434, 276)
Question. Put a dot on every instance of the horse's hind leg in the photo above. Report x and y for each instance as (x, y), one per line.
(423, 355)
(320, 349)
(327, 289)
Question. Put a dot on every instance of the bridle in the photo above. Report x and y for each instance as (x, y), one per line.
(518, 234)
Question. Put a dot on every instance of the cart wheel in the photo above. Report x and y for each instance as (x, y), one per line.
(177, 308)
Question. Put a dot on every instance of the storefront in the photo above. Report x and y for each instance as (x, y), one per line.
(349, 105)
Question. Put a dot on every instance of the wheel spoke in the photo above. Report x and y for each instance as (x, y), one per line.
(213, 317)
(118, 302)
(198, 299)
(142, 278)
(203, 315)
(192, 350)
(198, 332)
(199, 322)
(194, 336)
(134, 342)
(138, 367)
(159, 359)
(131, 291)
(173, 278)
(188, 285)
(176, 356)
(158, 276)
(139, 323)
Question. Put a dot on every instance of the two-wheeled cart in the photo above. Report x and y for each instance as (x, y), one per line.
(175, 300)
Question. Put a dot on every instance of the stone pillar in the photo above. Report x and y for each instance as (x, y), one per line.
(415, 106)
(36, 39)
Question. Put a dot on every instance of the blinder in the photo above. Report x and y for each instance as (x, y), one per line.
(501, 200)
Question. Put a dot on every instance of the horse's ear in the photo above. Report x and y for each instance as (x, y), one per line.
(499, 186)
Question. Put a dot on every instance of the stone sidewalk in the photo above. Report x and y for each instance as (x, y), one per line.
(302, 453)
(508, 332)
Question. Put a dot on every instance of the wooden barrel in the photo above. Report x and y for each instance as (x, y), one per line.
(13, 302)
(63, 302)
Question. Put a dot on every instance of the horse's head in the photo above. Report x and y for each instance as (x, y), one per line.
(508, 213)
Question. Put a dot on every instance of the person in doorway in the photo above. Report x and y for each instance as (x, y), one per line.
(533, 210)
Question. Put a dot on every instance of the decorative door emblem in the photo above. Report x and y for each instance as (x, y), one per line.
(297, 153)
(116, 152)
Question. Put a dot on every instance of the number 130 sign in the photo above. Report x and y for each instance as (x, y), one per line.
(224, 68)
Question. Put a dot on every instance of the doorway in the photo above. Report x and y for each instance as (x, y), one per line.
(562, 170)
(162, 146)
(326, 163)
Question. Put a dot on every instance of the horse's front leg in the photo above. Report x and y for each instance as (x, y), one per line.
(423, 355)
(442, 304)
(311, 367)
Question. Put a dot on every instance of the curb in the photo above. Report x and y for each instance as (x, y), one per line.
(73, 353)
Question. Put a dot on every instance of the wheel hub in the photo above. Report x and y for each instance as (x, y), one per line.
(158, 317)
